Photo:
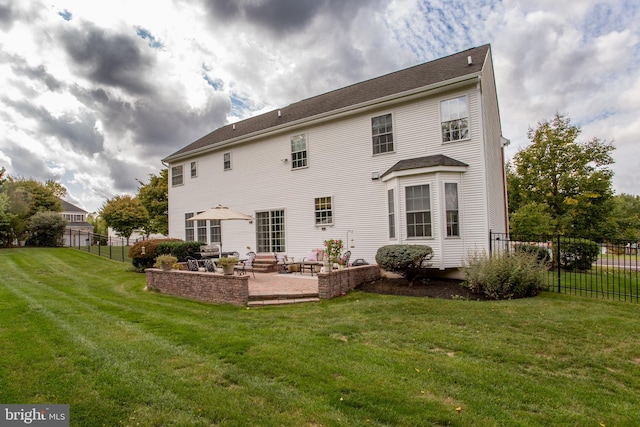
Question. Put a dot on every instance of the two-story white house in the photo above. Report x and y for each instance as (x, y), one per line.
(78, 229)
(411, 157)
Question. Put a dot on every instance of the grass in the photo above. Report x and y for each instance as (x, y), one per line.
(117, 253)
(79, 329)
(600, 282)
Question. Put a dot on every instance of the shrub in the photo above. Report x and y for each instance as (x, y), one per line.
(542, 253)
(407, 260)
(576, 254)
(163, 260)
(180, 250)
(504, 276)
(46, 229)
(141, 261)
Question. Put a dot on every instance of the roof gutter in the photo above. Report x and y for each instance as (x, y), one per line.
(336, 114)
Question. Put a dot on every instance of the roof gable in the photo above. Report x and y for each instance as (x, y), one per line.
(429, 73)
(424, 162)
(68, 207)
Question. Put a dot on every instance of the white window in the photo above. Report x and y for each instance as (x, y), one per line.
(382, 134)
(455, 119)
(451, 206)
(392, 213)
(298, 151)
(418, 211)
(189, 235)
(324, 210)
(194, 169)
(176, 176)
(201, 230)
(216, 231)
(227, 161)
(270, 229)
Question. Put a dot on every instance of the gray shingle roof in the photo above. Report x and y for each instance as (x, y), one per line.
(429, 73)
(68, 207)
(424, 162)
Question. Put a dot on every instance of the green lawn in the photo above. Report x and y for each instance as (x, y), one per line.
(599, 282)
(118, 253)
(79, 329)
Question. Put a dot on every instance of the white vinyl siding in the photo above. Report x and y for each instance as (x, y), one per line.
(263, 182)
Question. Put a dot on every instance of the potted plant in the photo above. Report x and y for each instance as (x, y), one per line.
(227, 264)
(332, 250)
(165, 262)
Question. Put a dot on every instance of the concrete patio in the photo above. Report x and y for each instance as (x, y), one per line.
(275, 288)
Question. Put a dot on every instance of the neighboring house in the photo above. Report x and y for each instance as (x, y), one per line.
(136, 236)
(78, 229)
(411, 157)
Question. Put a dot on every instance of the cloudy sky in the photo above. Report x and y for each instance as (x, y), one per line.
(94, 93)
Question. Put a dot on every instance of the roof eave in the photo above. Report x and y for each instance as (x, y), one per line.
(333, 114)
(422, 171)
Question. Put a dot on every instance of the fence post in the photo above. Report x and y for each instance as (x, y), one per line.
(490, 243)
(558, 261)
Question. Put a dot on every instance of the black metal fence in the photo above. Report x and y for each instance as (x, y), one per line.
(576, 266)
(115, 248)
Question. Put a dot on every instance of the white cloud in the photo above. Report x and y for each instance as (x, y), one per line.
(96, 93)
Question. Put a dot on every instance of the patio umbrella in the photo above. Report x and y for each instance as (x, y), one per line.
(221, 213)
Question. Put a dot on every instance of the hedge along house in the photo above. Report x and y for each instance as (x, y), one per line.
(411, 157)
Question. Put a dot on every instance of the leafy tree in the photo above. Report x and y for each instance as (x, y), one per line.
(625, 217)
(124, 214)
(21, 199)
(38, 197)
(46, 229)
(154, 196)
(532, 219)
(571, 178)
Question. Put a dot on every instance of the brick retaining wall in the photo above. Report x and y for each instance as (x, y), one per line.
(331, 285)
(209, 287)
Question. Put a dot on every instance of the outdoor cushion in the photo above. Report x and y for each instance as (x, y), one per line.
(192, 265)
(209, 265)
(312, 256)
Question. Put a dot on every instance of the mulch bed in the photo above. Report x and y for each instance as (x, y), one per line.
(430, 288)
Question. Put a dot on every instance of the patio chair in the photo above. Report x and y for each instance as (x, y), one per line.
(209, 265)
(246, 265)
(346, 257)
(281, 260)
(192, 264)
